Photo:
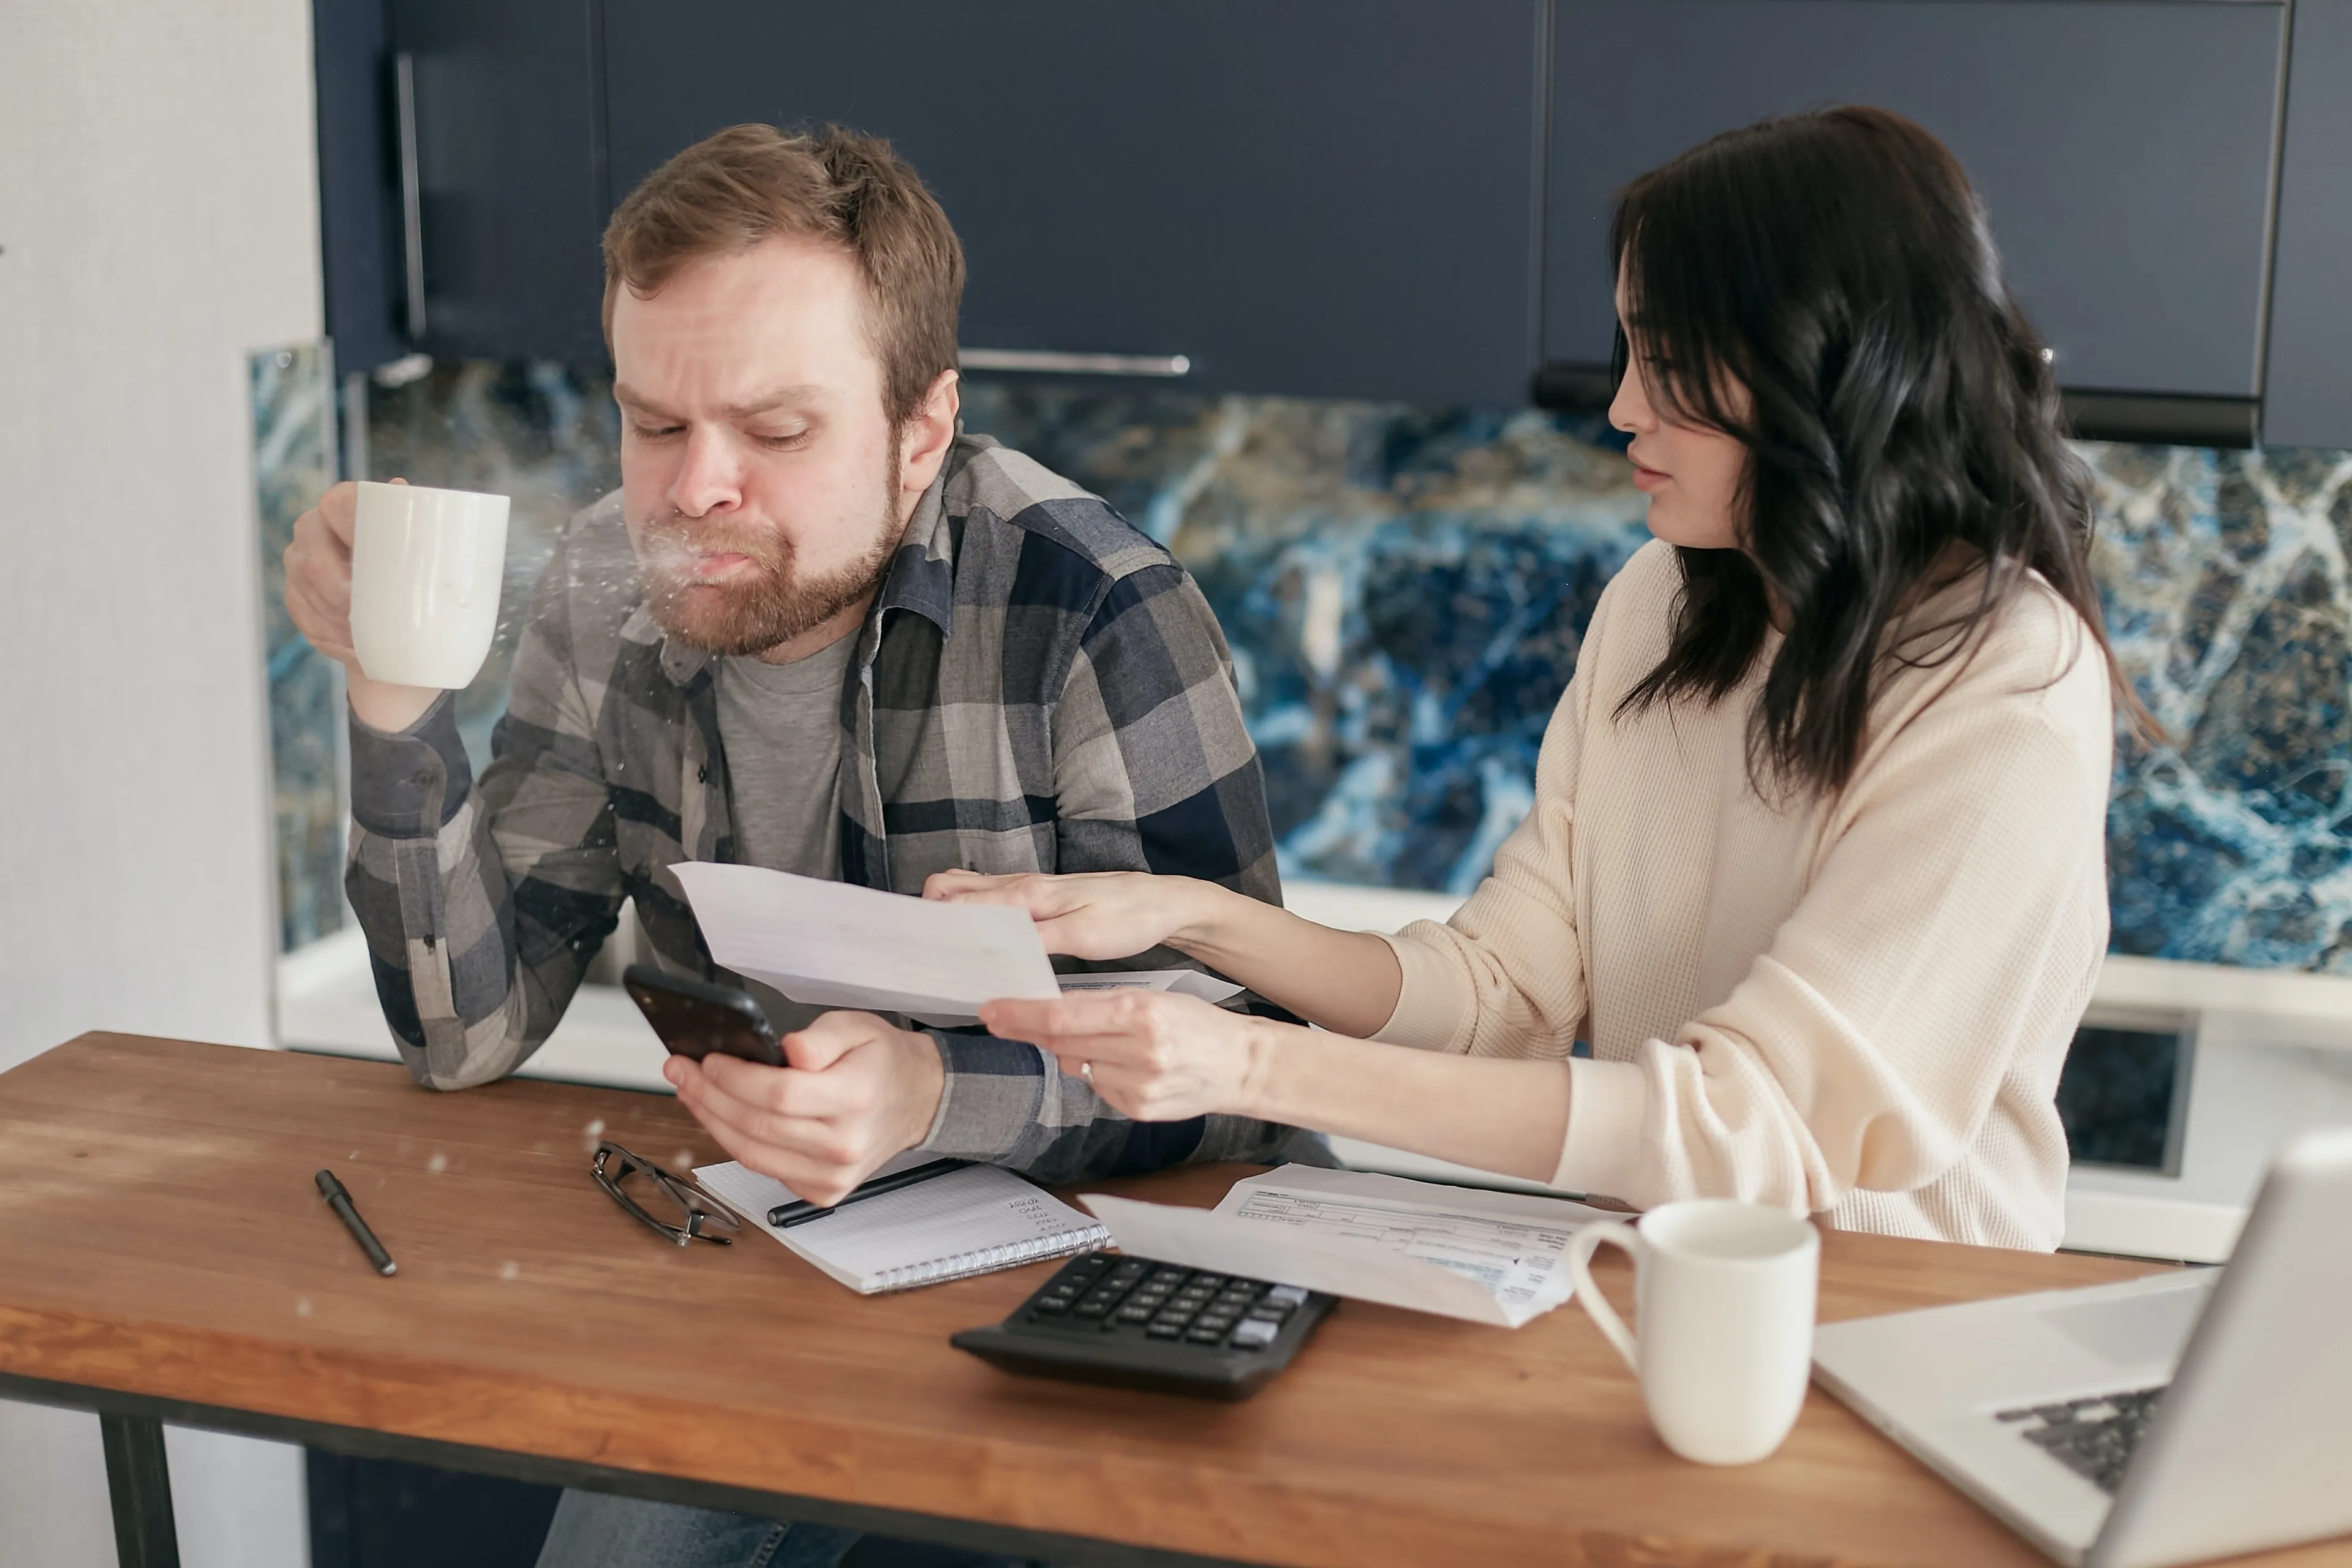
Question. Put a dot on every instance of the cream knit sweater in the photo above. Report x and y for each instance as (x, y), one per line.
(1855, 1005)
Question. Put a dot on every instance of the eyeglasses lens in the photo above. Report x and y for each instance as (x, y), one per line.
(675, 1207)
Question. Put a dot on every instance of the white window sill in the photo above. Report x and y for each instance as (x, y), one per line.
(326, 1002)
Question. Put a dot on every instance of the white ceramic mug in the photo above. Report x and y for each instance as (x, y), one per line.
(1724, 1305)
(427, 567)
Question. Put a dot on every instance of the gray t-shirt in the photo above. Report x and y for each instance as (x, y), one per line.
(781, 726)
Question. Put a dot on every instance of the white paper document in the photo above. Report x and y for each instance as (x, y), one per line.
(1182, 981)
(1492, 1257)
(834, 944)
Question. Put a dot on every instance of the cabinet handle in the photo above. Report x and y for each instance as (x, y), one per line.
(411, 195)
(1048, 362)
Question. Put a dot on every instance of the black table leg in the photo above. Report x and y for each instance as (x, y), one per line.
(138, 1482)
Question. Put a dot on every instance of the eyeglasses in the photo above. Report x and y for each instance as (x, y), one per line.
(698, 1206)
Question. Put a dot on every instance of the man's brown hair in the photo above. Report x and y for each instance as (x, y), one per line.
(753, 182)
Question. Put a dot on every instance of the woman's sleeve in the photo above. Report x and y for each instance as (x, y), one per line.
(1955, 920)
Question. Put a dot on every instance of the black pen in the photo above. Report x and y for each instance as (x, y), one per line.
(799, 1211)
(341, 1202)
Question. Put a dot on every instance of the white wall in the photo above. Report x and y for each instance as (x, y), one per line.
(158, 220)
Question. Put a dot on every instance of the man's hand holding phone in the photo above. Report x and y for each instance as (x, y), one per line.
(854, 1092)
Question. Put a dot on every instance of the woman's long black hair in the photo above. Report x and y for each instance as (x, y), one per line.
(1903, 423)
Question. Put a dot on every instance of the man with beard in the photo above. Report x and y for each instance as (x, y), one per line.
(816, 629)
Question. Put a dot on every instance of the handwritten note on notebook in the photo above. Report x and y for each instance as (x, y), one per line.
(972, 1221)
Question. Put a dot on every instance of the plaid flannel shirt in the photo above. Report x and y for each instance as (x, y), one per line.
(1039, 688)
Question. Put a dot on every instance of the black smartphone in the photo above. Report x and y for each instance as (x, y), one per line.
(695, 1018)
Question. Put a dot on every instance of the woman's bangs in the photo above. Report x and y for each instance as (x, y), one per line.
(1674, 307)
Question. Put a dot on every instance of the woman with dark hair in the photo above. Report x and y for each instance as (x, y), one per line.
(1816, 859)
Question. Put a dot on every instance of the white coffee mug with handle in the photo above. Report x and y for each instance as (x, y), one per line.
(1723, 1299)
(427, 568)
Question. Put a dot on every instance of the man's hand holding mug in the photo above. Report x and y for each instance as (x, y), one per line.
(400, 585)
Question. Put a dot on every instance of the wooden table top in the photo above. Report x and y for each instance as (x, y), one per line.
(160, 1235)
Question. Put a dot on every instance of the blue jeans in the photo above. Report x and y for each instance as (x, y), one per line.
(591, 1530)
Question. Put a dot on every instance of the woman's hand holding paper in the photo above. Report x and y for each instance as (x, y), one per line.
(1161, 1057)
(1154, 1055)
(1344, 981)
(1092, 914)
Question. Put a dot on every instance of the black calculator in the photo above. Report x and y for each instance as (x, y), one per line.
(1107, 1318)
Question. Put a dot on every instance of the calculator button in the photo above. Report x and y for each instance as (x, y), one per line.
(1052, 1304)
(1171, 1276)
(1235, 1298)
(1134, 1314)
(1163, 1331)
(1210, 1281)
(1198, 1335)
(1255, 1334)
(1263, 1314)
(1092, 1308)
(1288, 1295)
(1128, 1272)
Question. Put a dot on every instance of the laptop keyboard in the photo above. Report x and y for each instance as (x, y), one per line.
(2094, 1437)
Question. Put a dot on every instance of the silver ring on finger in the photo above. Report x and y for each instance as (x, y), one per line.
(1087, 1071)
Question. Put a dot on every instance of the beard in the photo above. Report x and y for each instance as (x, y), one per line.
(770, 603)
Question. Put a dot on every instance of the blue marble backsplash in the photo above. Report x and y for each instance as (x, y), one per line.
(293, 391)
(2223, 574)
(1405, 590)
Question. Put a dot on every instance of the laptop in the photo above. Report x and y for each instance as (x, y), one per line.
(2197, 1414)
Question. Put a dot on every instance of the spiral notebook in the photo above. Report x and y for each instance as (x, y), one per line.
(972, 1221)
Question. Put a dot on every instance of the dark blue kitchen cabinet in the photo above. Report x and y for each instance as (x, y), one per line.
(1374, 198)
(2125, 150)
(360, 248)
(503, 133)
(2307, 397)
(1330, 197)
